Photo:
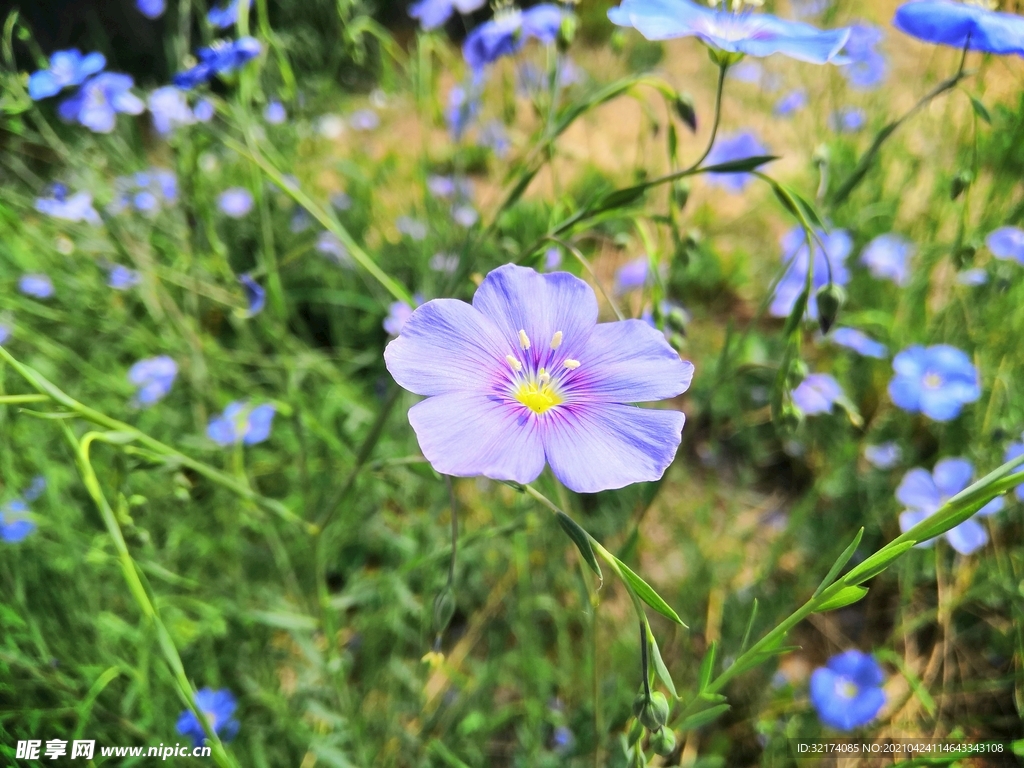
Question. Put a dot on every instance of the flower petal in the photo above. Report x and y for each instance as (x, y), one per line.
(594, 448)
(952, 476)
(968, 537)
(909, 519)
(918, 491)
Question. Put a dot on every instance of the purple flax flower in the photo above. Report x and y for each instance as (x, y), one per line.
(413, 228)
(562, 740)
(77, 207)
(887, 257)
(121, 278)
(219, 59)
(154, 377)
(937, 381)
(525, 375)
(961, 25)
(442, 187)
(495, 136)
(364, 120)
(924, 492)
(794, 252)
(37, 286)
(883, 455)
(508, 31)
(867, 68)
(972, 277)
(169, 109)
(632, 274)
(791, 103)
(465, 215)
(222, 18)
(99, 100)
(35, 489)
(817, 393)
(747, 71)
(235, 202)
(847, 120)
(463, 106)
(219, 708)
(1007, 243)
(859, 342)
(255, 293)
(431, 14)
(330, 246)
(204, 110)
(5, 332)
(847, 692)
(341, 201)
(151, 9)
(275, 113)
(67, 68)
(552, 258)
(755, 34)
(398, 313)
(1013, 451)
(14, 523)
(727, 149)
(241, 423)
(444, 262)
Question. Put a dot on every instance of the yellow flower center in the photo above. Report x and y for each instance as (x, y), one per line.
(932, 381)
(536, 389)
(846, 689)
(538, 396)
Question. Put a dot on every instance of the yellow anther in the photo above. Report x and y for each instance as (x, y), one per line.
(516, 365)
(556, 340)
(572, 365)
(524, 340)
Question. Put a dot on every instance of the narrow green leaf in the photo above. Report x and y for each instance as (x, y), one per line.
(743, 165)
(703, 718)
(756, 659)
(793, 321)
(844, 597)
(659, 666)
(981, 110)
(712, 698)
(750, 626)
(807, 208)
(619, 198)
(877, 563)
(646, 593)
(837, 566)
(582, 541)
(707, 667)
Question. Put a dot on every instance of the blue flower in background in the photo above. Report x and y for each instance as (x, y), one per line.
(255, 294)
(364, 120)
(632, 274)
(169, 109)
(729, 148)
(936, 381)
(859, 342)
(794, 252)
(275, 113)
(847, 692)
(241, 423)
(972, 277)
(151, 9)
(67, 68)
(805, 9)
(463, 107)
(755, 34)
(204, 110)
(35, 489)
(220, 59)
(444, 262)
(146, 192)
(867, 68)
(235, 202)
(847, 120)
(219, 708)
(961, 25)
(37, 286)
(791, 103)
(887, 257)
(412, 228)
(883, 455)
(747, 71)
(1013, 451)
(121, 278)
(341, 201)
(495, 136)
(5, 333)
(222, 18)
(508, 32)
(99, 100)
(330, 246)
(552, 258)
(431, 14)
(1007, 243)
(817, 393)
(398, 313)
(924, 492)
(14, 523)
(154, 378)
(562, 740)
(77, 208)
(465, 216)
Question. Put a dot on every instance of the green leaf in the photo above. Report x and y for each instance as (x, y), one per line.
(877, 563)
(619, 198)
(837, 566)
(702, 718)
(981, 110)
(707, 667)
(646, 593)
(844, 597)
(582, 541)
(750, 626)
(744, 664)
(793, 321)
(659, 666)
(743, 165)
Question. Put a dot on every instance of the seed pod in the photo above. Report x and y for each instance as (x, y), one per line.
(830, 298)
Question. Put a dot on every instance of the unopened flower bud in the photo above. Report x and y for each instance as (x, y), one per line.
(663, 742)
(655, 712)
(567, 32)
(686, 110)
(681, 193)
(830, 298)
(960, 183)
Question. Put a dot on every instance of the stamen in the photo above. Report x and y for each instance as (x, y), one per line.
(572, 365)
(516, 365)
(524, 340)
(543, 376)
(556, 340)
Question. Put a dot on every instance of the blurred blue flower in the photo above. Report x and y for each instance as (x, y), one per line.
(1007, 243)
(35, 489)
(441, 186)
(747, 71)
(508, 32)
(151, 9)
(867, 68)
(221, 58)
(235, 202)
(495, 136)
(364, 120)
(805, 9)
(961, 25)
(255, 294)
(755, 34)
(924, 492)
(204, 110)
(859, 342)
(847, 120)
(169, 109)
(937, 381)
(275, 113)
(121, 278)
(300, 221)
(99, 100)
(67, 68)
(414, 229)
(5, 332)
(847, 692)
(531, 80)
(146, 192)
(1013, 451)
(972, 277)
(398, 313)
(444, 262)
(222, 18)
(14, 524)
(729, 148)
(887, 257)
(431, 14)
(219, 708)
(341, 201)
(463, 106)
(562, 740)
(38, 286)
(154, 377)
(883, 455)
(77, 207)
(552, 258)
(792, 102)
(794, 252)
(465, 215)
(817, 393)
(241, 423)
(328, 244)
(632, 274)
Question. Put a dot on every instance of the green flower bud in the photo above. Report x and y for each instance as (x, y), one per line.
(663, 742)
(960, 183)
(567, 32)
(798, 371)
(639, 703)
(830, 298)
(444, 609)
(655, 713)
(681, 193)
(686, 110)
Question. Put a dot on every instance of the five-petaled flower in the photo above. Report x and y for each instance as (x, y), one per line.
(1007, 243)
(962, 26)
(241, 423)
(828, 263)
(847, 692)
(219, 708)
(154, 378)
(817, 393)
(525, 375)
(937, 381)
(508, 31)
(924, 493)
(66, 68)
(99, 100)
